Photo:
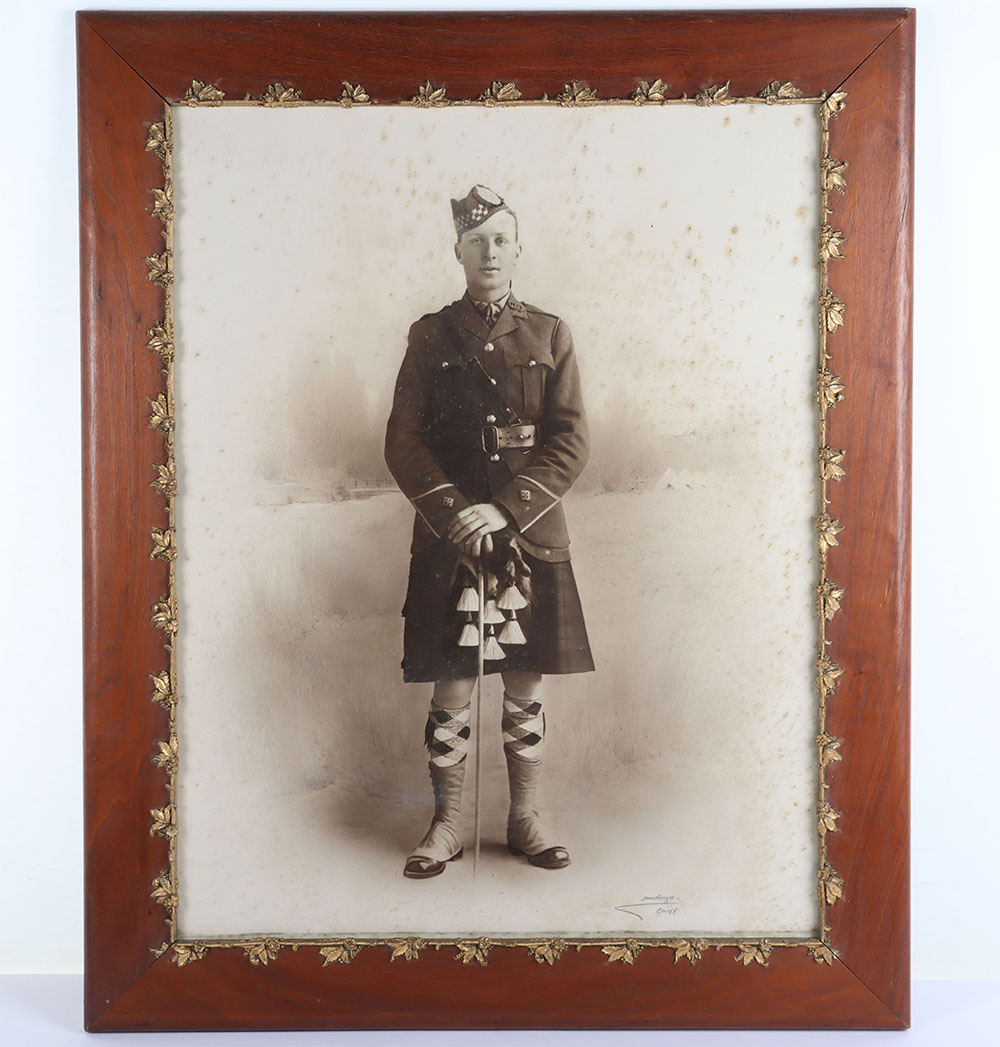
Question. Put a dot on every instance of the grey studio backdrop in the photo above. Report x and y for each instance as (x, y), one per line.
(678, 245)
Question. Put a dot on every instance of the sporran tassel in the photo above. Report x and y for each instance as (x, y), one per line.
(511, 633)
(493, 615)
(492, 651)
(470, 636)
(469, 600)
(511, 599)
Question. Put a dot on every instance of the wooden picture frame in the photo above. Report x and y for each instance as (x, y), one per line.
(855, 975)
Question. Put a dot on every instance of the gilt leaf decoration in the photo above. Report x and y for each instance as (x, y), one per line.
(166, 757)
(829, 463)
(165, 614)
(279, 94)
(262, 951)
(624, 952)
(830, 241)
(164, 821)
(160, 418)
(162, 691)
(199, 91)
(164, 892)
(754, 952)
(829, 595)
(829, 388)
(650, 92)
(689, 949)
(163, 202)
(160, 341)
(826, 818)
(429, 95)
(821, 953)
(829, 749)
(406, 948)
(577, 92)
(549, 951)
(498, 93)
(166, 479)
(187, 952)
(163, 544)
(353, 94)
(159, 269)
(156, 140)
(832, 310)
(474, 951)
(717, 94)
(832, 172)
(340, 952)
(829, 672)
(828, 529)
(831, 884)
(777, 91)
(835, 102)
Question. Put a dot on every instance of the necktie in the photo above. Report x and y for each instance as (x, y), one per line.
(489, 311)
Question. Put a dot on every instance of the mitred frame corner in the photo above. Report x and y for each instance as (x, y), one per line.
(131, 64)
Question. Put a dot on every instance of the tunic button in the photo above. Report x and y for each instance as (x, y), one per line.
(494, 458)
(444, 366)
(531, 363)
(491, 418)
(488, 347)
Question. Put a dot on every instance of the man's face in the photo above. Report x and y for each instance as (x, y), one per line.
(488, 255)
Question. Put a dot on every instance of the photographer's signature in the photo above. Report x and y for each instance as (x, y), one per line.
(652, 904)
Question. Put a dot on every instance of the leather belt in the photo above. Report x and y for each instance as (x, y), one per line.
(493, 437)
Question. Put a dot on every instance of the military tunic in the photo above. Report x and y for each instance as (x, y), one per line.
(458, 380)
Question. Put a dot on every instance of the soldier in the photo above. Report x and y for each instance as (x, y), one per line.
(486, 435)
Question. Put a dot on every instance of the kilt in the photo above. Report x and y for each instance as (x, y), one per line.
(553, 625)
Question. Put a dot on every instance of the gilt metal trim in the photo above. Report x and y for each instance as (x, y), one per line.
(164, 539)
(830, 391)
(476, 951)
(577, 92)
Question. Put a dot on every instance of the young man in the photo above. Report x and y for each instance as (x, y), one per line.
(486, 435)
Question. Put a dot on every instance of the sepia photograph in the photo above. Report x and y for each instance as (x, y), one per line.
(496, 489)
(497, 560)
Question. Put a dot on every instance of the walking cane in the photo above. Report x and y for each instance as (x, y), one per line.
(481, 647)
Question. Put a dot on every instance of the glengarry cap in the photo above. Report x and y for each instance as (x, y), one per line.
(480, 204)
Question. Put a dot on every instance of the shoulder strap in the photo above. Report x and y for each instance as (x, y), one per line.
(511, 416)
(475, 367)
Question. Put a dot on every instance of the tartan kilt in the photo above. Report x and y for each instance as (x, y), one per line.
(553, 625)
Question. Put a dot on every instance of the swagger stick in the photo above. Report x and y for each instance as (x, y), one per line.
(480, 649)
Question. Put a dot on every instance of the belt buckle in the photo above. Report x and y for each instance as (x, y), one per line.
(490, 439)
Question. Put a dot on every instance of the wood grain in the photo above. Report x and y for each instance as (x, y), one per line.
(582, 990)
(121, 583)
(392, 54)
(871, 639)
(130, 63)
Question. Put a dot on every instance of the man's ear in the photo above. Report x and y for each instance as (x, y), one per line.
(458, 251)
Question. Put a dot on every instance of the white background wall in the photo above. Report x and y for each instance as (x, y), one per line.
(955, 689)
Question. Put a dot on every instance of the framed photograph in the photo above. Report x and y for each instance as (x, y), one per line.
(497, 512)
